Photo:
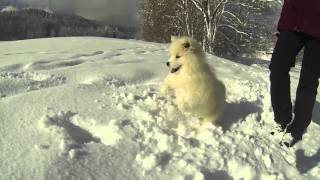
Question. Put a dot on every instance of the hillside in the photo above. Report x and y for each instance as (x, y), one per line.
(89, 108)
(36, 23)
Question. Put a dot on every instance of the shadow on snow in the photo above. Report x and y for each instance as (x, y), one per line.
(316, 113)
(235, 112)
(305, 163)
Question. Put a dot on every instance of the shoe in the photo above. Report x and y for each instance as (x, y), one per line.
(289, 128)
(291, 139)
(278, 128)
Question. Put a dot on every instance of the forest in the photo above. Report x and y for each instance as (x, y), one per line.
(37, 23)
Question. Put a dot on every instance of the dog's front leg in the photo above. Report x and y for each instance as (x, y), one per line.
(183, 106)
(165, 86)
(164, 90)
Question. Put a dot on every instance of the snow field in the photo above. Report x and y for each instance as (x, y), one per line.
(89, 108)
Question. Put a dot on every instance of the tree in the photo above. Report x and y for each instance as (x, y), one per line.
(212, 11)
(197, 18)
(247, 26)
(157, 22)
(222, 26)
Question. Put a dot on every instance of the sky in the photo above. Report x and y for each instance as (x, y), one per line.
(120, 12)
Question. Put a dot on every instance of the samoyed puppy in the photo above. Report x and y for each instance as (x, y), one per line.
(193, 82)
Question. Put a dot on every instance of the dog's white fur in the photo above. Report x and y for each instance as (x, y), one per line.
(195, 86)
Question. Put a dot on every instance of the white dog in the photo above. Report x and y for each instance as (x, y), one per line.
(194, 84)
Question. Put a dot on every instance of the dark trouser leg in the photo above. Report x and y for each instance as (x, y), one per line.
(287, 47)
(307, 87)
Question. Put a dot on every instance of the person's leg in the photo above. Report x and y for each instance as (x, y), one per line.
(307, 88)
(287, 47)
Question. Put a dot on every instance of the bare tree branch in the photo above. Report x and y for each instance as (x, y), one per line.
(233, 16)
(235, 29)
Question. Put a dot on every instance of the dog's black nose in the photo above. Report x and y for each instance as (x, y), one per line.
(168, 64)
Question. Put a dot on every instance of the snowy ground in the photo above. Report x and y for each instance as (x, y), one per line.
(88, 108)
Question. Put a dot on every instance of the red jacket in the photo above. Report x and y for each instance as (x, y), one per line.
(301, 16)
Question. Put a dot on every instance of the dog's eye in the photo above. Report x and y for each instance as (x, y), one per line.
(177, 56)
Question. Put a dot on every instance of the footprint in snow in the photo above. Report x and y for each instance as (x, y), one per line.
(87, 55)
(73, 132)
(13, 83)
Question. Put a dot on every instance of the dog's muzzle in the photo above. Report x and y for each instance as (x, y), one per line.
(174, 70)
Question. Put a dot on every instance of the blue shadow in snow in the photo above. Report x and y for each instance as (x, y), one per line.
(235, 112)
(306, 163)
(215, 175)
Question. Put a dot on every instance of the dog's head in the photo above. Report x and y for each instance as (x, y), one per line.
(184, 52)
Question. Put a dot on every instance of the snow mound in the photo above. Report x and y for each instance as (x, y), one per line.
(169, 144)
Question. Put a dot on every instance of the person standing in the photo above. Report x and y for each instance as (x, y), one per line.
(299, 28)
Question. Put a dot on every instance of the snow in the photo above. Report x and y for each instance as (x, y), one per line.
(9, 9)
(89, 108)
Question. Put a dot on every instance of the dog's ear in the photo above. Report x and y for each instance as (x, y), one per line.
(186, 45)
(173, 38)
